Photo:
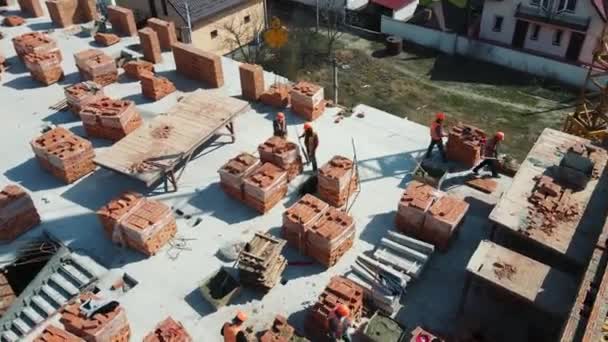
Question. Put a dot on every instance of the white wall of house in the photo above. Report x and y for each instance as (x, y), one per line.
(544, 43)
(493, 9)
(406, 12)
(355, 4)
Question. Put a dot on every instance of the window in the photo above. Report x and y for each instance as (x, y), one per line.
(535, 32)
(247, 19)
(557, 37)
(213, 34)
(566, 5)
(497, 23)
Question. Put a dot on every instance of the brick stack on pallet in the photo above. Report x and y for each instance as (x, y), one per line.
(54, 334)
(65, 13)
(265, 187)
(155, 87)
(252, 81)
(80, 94)
(13, 20)
(101, 327)
(17, 212)
(122, 20)
(168, 330)
(260, 262)
(307, 100)
(199, 65)
(34, 42)
(330, 237)
(106, 39)
(337, 181)
(413, 206)
(64, 154)
(299, 219)
(465, 144)
(284, 154)
(166, 32)
(94, 65)
(280, 331)
(277, 95)
(31, 7)
(141, 224)
(44, 67)
(7, 295)
(110, 119)
(234, 171)
(135, 69)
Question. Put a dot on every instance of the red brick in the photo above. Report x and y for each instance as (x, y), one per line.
(110, 119)
(442, 219)
(280, 331)
(54, 334)
(166, 32)
(277, 95)
(65, 13)
(199, 65)
(13, 20)
(96, 66)
(252, 81)
(17, 213)
(34, 42)
(265, 187)
(483, 184)
(415, 202)
(7, 296)
(106, 39)
(122, 20)
(150, 44)
(31, 7)
(80, 94)
(307, 100)
(112, 326)
(337, 181)
(465, 144)
(300, 217)
(134, 69)
(155, 87)
(234, 171)
(44, 67)
(282, 153)
(168, 330)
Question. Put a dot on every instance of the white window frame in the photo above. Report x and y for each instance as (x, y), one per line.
(496, 19)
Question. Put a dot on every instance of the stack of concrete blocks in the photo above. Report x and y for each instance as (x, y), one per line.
(337, 181)
(7, 295)
(17, 212)
(155, 87)
(234, 171)
(199, 65)
(80, 94)
(307, 100)
(135, 69)
(139, 223)
(252, 81)
(110, 119)
(413, 206)
(101, 327)
(330, 237)
(279, 332)
(168, 330)
(44, 67)
(106, 39)
(64, 154)
(282, 153)
(166, 32)
(299, 219)
(261, 264)
(150, 44)
(465, 144)
(122, 21)
(94, 65)
(34, 42)
(31, 7)
(13, 20)
(54, 334)
(65, 13)
(265, 187)
(277, 95)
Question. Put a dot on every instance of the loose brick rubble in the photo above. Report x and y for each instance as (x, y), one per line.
(135, 69)
(330, 237)
(252, 81)
(94, 65)
(31, 7)
(64, 154)
(7, 295)
(106, 39)
(442, 220)
(299, 219)
(234, 171)
(122, 21)
(110, 119)
(54, 334)
(155, 87)
(307, 100)
(34, 42)
(168, 330)
(486, 185)
(139, 223)
(65, 13)
(102, 327)
(260, 262)
(198, 65)
(415, 202)
(13, 20)
(280, 331)
(337, 181)
(277, 95)
(465, 144)
(265, 187)
(17, 213)
(44, 67)
(81, 94)
(282, 153)
(166, 32)
(150, 44)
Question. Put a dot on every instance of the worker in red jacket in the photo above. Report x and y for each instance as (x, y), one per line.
(437, 134)
(311, 142)
(490, 155)
(279, 126)
(233, 331)
(339, 323)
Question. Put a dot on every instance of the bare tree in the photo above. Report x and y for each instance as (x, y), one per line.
(332, 16)
(243, 36)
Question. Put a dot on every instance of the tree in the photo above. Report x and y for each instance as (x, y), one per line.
(244, 36)
(332, 16)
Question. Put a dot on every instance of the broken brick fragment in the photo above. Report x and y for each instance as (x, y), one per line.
(155, 87)
(106, 39)
(168, 330)
(135, 69)
(13, 20)
(17, 213)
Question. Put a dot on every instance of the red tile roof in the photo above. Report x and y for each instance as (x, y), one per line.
(393, 4)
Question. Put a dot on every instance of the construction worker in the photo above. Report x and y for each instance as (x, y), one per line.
(233, 331)
(339, 322)
(311, 141)
(437, 134)
(279, 125)
(491, 155)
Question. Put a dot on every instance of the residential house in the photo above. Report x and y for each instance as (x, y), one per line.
(398, 9)
(562, 29)
(217, 25)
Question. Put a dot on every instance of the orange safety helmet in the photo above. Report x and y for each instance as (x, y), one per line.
(241, 316)
(342, 310)
(440, 116)
(280, 115)
(500, 135)
(307, 126)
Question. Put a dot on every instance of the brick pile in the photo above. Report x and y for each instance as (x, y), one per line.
(80, 94)
(64, 154)
(284, 154)
(415, 202)
(252, 81)
(330, 237)
(280, 331)
(299, 219)
(148, 39)
(277, 95)
(13, 20)
(135, 69)
(31, 7)
(155, 87)
(442, 220)
(486, 185)
(106, 39)
(337, 181)
(110, 119)
(168, 330)
(265, 187)
(54, 334)
(102, 327)
(44, 67)
(34, 42)
(7, 295)
(139, 223)
(307, 100)
(551, 204)
(122, 20)
(166, 32)
(234, 171)
(17, 213)
(94, 65)
(199, 65)
(339, 291)
(65, 13)
(465, 144)
(260, 262)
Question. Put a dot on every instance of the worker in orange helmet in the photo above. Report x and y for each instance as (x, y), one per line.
(437, 135)
(490, 154)
(279, 125)
(339, 323)
(233, 331)
(311, 142)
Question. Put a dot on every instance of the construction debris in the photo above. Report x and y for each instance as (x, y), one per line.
(94, 65)
(168, 330)
(13, 20)
(44, 67)
(551, 205)
(504, 270)
(106, 39)
(7, 295)
(261, 263)
(17, 213)
(282, 153)
(110, 119)
(155, 87)
(54, 334)
(277, 95)
(465, 144)
(135, 69)
(233, 173)
(307, 100)
(265, 187)
(252, 81)
(279, 332)
(337, 181)
(81, 94)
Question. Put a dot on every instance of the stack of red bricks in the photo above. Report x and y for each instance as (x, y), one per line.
(34, 42)
(13, 20)
(149, 42)
(233, 173)
(339, 291)
(139, 223)
(465, 144)
(277, 95)
(80, 94)
(165, 30)
(94, 65)
(110, 119)
(122, 20)
(64, 154)
(330, 237)
(101, 327)
(299, 219)
(7, 295)
(413, 206)
(106, 39)
(66, 13)
(135, 69)
(551, 205)
(280, 331)
(155, 87)
(31, 7)
(44, 67)
(168, 330)
(54, 334)
(337, 181)
(282, 153)
(265, 187)
(252, 81)
(307, 100)
(17, 213)
(198, 65)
